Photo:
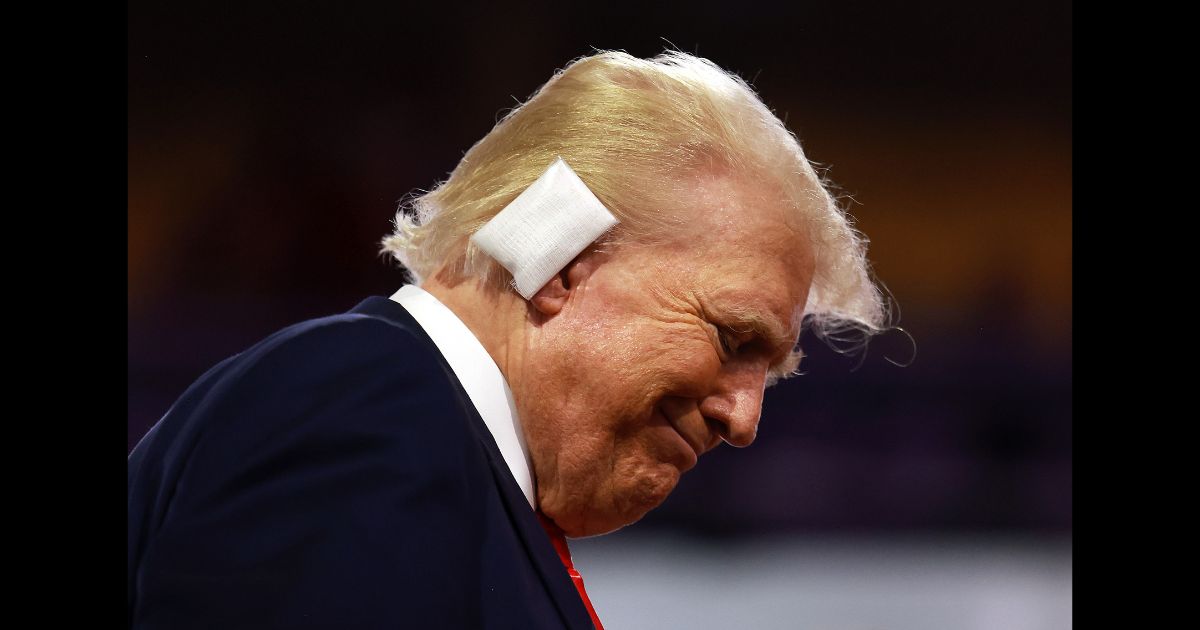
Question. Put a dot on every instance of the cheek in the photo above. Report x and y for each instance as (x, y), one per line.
(684, 361)
(652, 364)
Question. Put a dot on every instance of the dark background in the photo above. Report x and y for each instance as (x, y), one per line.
(270, 142)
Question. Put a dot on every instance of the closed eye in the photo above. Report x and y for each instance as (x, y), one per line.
(732, 341)
(726, 341)
(728, 344)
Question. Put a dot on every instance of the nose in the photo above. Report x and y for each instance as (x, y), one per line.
(735, 404)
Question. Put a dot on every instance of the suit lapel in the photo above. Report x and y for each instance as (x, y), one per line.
(537, 544)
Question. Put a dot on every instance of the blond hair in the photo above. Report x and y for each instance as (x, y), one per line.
(630, 127)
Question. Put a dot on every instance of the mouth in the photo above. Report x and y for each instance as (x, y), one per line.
(689, 453)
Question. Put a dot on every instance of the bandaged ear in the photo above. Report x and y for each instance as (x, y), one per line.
(544, 228)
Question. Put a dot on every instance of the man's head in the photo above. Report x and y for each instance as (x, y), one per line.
(656, 344)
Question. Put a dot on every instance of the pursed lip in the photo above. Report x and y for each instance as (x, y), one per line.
(696, 448)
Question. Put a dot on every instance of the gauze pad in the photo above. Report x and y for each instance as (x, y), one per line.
(544, 228)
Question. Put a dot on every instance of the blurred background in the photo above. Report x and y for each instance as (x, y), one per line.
(269, 144)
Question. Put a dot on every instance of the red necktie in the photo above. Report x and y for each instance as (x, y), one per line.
(560, 545)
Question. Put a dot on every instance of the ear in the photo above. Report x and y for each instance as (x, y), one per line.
(550, 299)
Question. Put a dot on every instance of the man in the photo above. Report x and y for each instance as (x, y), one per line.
(417, 461)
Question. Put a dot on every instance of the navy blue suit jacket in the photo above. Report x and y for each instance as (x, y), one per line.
(335, 475)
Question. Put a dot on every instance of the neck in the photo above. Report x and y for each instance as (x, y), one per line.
(496, 318)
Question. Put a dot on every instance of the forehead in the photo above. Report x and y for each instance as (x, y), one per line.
(745, 254)
(733, 220)
(720, 210)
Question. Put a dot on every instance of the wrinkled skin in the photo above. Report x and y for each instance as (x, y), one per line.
(619, 370)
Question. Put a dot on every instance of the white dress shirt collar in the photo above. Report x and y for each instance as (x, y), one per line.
(480, 377)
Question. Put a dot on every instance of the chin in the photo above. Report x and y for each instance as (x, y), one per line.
(651, 490)
(601, 503)
(631, 502)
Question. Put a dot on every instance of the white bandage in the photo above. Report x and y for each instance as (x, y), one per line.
(544, 228)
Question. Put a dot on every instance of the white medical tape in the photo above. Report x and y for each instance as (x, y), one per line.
(544, 228)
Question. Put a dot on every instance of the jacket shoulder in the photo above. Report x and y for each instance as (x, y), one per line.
(333, 456)
(318, 381)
